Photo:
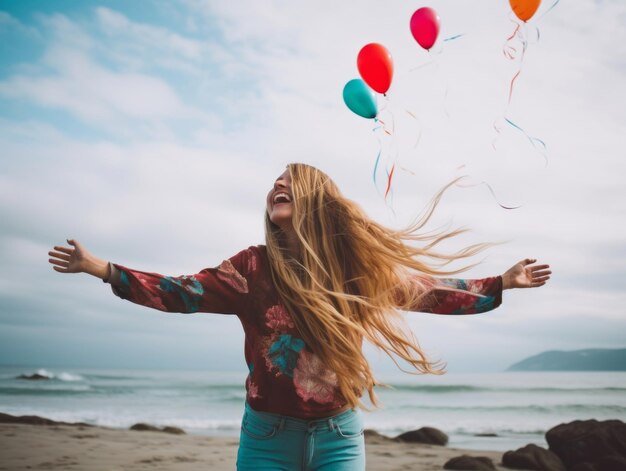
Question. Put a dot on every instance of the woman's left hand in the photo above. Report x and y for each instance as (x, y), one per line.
(522, 275)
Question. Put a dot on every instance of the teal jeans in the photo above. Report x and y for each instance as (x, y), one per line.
(272, 442)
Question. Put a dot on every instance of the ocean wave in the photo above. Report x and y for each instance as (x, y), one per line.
(64, 390)
(91, 376)
(453, 388)
(10, 391)
(500, 431)
(548, 409)
(63, 376)
(104, 419)
(467, 428)
(434, 388)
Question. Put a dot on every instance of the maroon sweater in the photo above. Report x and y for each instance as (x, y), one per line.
(285, 376)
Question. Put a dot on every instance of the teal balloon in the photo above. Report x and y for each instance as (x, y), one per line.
(360, 99)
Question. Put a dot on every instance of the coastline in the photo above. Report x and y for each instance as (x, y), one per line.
(483, 415)
(80, 447)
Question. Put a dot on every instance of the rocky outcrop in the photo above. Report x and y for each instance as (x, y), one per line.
(151, 428)
(35, 376)
(598, 445)
(429, 435)
(34, 420)
(533, 457)
(470, 463)
(374, 437)
(592, 359)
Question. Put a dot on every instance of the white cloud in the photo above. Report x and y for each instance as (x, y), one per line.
(10, 24)
(114, 23)
(71, 80)
(266, 89)
(95, 94)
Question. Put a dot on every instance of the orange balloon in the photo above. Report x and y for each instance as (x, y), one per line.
(524, 9)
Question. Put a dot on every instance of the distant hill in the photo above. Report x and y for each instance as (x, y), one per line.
(593, 359)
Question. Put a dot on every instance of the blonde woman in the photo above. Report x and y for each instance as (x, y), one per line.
(327, 279)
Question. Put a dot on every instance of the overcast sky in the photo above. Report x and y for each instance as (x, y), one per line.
(152, 131)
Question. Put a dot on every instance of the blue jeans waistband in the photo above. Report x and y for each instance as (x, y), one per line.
(285, 422)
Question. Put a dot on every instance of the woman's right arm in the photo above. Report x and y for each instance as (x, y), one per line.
(223, 289)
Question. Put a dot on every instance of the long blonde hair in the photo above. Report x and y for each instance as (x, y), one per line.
(350, 278)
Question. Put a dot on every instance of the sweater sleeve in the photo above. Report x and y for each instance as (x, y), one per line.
(223, 289)
(458, 296)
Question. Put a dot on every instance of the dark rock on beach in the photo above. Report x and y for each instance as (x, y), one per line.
(600, 445)
(610, 463)
(533, 457)
(470, 463)
(141, 427)
(34, 420)
(151, 428)
(35, 376)
(374, 436)
(25, 419)
(174, 430)
(429, 435)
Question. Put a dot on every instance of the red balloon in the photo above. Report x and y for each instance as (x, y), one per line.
(425, 27)
(375, 66)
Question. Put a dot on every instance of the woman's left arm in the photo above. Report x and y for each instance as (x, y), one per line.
(459, 296)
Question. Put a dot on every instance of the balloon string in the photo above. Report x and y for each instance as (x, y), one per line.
(493, 193)
(391, 194)
(514, 32)
(512, 84)
(376, 165)
(510, 52)
(392, 156)
(520, 33)
(533, 140)
(497, 129)
(536, 142)
(390, 176)
(430, 62)
(546, 12)
(384, 127)
(456, 36)
(380, 151)
(393, 121)
(419, 129)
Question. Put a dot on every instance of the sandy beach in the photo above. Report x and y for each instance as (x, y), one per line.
(67, 447)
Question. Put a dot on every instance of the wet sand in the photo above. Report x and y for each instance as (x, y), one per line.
(72, 447)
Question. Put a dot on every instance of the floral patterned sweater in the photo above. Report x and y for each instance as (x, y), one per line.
(285, 377)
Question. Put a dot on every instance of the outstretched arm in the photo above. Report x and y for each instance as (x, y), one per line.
(460, 296)
(222, 289)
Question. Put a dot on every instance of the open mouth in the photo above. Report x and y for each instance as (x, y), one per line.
(281, 198)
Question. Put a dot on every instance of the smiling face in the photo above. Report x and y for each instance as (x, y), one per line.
(280, 202)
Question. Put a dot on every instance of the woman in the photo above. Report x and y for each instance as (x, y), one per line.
(328, 278)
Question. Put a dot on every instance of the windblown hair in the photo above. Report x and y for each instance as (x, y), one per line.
(352, 276)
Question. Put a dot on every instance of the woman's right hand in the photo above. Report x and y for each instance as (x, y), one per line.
(77, 259)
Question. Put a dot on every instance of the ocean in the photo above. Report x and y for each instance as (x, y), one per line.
(518, 407)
